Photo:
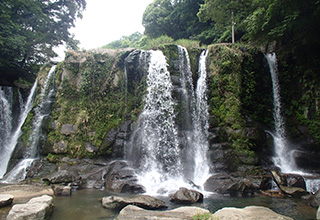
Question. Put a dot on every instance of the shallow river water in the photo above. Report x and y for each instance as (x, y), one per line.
(86, 205)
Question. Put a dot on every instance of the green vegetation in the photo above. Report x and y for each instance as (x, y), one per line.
(206, 216)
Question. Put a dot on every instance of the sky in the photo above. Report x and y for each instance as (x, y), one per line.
(105, 21)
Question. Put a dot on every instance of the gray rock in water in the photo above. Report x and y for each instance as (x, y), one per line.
(186, 196)
(62, 190)
(248, 213)
(5, 199)
(36, 209)
(183, 213)
(143, 201)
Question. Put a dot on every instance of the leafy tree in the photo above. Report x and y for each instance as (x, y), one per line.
(175, 18)
(30, 29)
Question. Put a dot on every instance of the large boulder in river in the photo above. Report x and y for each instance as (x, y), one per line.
(121, 178)
(37, 208)
(133, 212)
(143, 201)
(186, 196)
(248, 213)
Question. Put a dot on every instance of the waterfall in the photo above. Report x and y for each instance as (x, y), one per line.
(6, 99)
(283, 158)
(169, 153)
(7, 151)
(195, 116)
(156, 135)
(42, 110)
(201, 124)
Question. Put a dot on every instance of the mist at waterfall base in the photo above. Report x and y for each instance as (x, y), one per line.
(283, 158)
(43, 109)
(167, 155)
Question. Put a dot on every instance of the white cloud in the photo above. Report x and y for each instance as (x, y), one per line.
(107, 20)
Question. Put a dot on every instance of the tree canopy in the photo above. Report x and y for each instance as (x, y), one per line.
(30, 29)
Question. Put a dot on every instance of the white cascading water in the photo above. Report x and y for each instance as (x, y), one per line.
(6, 99)
(12, 142)
(162, 166)
(201, 124)
(283, 158)
(195, 117)
(19, 171)
(157, 135)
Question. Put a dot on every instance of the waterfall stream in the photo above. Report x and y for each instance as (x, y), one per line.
(157, 143)
(46, 98)
(283, 158)
(7, 150)
(284, 155)
(201, 124)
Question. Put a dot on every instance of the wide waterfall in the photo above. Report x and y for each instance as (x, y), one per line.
(46, 98)
(169, 154)
(10, 142)
(283, 158)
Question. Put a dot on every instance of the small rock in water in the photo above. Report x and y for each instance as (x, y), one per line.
(62, 190)
(5, 199)
(186, 196)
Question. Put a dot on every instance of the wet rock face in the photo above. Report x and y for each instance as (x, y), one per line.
(122, 179)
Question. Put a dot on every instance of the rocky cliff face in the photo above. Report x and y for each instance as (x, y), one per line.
(99, 95)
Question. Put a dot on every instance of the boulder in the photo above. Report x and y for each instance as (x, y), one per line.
(37, 208)
(235, 186)
(60, 147)
(186, 196)
(68, 129)
(219, 183)
(248, 213)
(315, 199)
(183, 213)
(143, 201)
(296, 192)
(62, 190)
(5, 199)
(121, 178)
(62, 176)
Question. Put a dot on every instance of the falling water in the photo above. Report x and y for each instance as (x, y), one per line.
(8, 150)
(157, 134)
(41, 111)
(195, 116)
(283, 158)
(201, 124)
(6, 99)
